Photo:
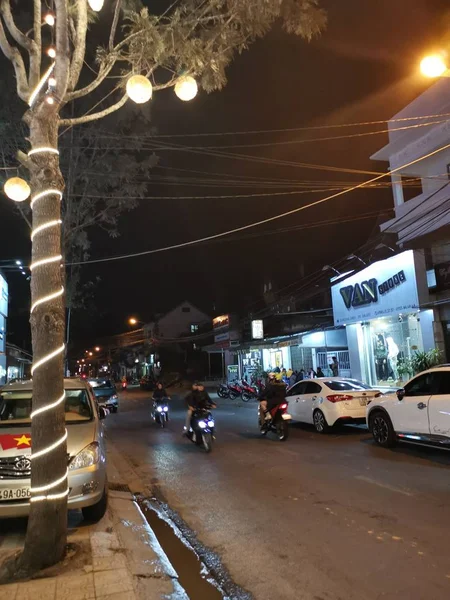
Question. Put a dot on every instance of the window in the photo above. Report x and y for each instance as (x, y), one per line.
(312, 388)
(444, 383)
(297, 389)
(194, 328)
(15, 407)
(346, 386)
(186, 309)
(422, 385)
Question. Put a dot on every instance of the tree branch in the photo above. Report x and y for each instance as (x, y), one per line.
(95, 116)
(13, 54)
(102, 74)
(112, 33)
(62, 61)
(79, 44)
(19, 37)
(35, 56)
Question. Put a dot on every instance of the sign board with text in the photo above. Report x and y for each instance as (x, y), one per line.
(258, 330)
(384, 288)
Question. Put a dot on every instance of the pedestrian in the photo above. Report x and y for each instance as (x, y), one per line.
(320, 373)
(312, 374)
(283, 375)
(293, 378)
(334, 366)
(301, 375)
(289, 373)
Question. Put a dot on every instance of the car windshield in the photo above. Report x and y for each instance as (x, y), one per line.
(347, 385)
(100, 383)
(15, 407)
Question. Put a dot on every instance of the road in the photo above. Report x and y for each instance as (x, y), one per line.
(315, 518)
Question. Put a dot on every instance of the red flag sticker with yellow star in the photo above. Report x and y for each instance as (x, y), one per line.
(18, 440)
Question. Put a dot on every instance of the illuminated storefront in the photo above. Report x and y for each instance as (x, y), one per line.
(380, 307)
(3, 317)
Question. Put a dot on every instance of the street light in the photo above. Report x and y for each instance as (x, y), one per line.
(90, 353)
(433, 66)
(352, 256)
(133, 321)
(97, 348)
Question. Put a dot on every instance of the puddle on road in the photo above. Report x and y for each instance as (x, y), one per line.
(193, 576)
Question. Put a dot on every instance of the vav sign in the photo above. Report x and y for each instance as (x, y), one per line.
(384, 288)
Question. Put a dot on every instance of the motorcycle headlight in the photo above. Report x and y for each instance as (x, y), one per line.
(202, 424)
(210, 423)
(159, 408)
(166, 408)
(88, 457)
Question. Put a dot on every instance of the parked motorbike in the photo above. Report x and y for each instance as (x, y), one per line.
(201, 431)
(160, 412)
(235, 390)
(248, 392)
(223, 391)
(277, 419)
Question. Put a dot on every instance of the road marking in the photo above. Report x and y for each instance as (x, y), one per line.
(384, 485)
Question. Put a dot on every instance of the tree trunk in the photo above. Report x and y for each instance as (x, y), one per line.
(46, 536)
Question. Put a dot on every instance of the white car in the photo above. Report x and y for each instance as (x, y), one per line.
(327, 401)
(420, 412)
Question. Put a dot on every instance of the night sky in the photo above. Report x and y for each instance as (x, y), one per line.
(363, 68)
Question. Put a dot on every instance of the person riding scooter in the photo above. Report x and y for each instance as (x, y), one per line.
(197, 398)
(160, 392)
(273, 394)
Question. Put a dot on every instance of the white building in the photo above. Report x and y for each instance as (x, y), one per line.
(421, 132)
(183, 321)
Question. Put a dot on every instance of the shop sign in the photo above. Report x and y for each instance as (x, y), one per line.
(384, 288)
(442, 271)
(3, 296)
(221, 321)
(221, 337)
(258, 330)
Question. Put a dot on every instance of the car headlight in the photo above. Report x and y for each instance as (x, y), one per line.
(202, 424)
(159, 408)
(88, 457)
(113, 397)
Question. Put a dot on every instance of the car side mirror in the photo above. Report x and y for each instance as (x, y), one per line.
(400, 394)
(103, 412)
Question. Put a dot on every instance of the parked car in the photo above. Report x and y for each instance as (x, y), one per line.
(85, 447)
(418, 413)
(325, 402)
(106, 393)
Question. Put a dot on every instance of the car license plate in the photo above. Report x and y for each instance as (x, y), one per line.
(17, 494)
(286, 417)
(363, 401)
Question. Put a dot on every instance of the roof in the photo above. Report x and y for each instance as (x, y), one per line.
(69, 384)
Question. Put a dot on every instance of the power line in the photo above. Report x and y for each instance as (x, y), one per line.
(264, 221)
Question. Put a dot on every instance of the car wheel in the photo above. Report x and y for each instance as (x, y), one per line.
(94, 513)
(115, 409)
(320, 422)
(381, 428)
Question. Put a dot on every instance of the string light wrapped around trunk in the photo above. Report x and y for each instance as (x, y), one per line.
(38, 493)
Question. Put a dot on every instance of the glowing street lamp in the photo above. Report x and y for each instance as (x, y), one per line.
(139, 89)
(17, 189)
(433, 66)
(186, 88)
(97, 348)
(133, 321)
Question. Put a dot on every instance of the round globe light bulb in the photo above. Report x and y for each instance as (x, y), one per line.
(17, 189)
(51, 52)
(96, 5)
(186, 88)
(139, 89)
(49, 19)
(433, 66)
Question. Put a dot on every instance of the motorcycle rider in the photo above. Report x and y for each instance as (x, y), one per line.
(273, 394)
(160, 392)
(197, 398)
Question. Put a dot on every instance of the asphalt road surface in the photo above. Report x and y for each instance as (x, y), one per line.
(315, 518)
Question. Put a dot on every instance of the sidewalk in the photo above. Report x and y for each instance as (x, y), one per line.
(121, 559)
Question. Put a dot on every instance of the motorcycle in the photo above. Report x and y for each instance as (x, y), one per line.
(248, 391)
(277, 419)
(235, 390)
(223, 391)
(201, 431)
(160, 412)
(124, 385)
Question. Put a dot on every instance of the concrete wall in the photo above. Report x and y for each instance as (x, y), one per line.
(177, 322)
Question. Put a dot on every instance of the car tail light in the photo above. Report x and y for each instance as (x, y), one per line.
(283, 405)
(339, 398)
